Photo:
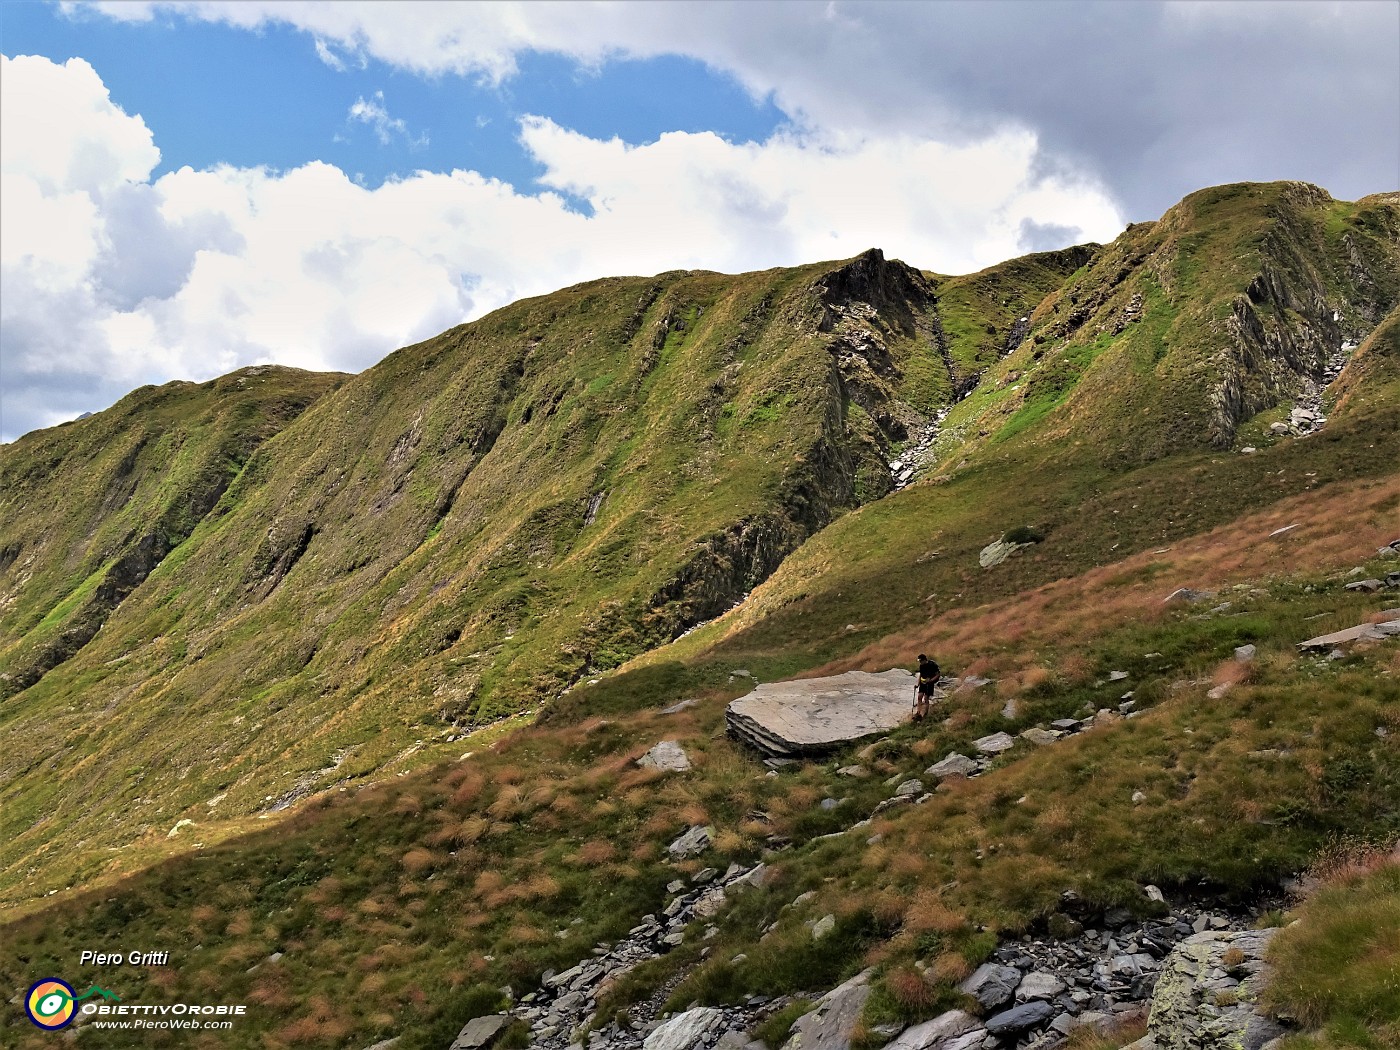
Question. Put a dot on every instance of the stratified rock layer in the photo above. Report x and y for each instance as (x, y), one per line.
(814, 715)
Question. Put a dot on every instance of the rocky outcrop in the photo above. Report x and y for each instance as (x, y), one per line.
(830, 1025)
(814, 715)
(1206, 996)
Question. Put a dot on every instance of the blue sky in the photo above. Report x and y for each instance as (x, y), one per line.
(215, 95)
(190, 187)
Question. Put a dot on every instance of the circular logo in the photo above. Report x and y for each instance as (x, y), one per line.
(50, 1003)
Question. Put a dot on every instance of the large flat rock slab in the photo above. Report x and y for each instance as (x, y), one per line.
(1359, 633)
(813, 715)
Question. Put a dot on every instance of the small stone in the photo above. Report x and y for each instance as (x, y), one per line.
(992, 985)
(994, 744)
(480, 1032)
(1011, 709)
(1245, 653)
(695, 841)
(823, 926)
(1117, 676)
(910, 787)
(953, 765)
(1019, 1018)
(1154, 894)
(1039, 984)
(667, 756)
(1369, 586)
(859, 772)
(1040, 737)
(1139, 798)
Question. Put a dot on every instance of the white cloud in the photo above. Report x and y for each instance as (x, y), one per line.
(112, 280)
(1154, 98)
(372, 112)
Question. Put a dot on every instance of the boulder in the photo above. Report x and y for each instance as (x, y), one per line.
(695, 841)
(1019, 1018)
(910, 787)
(992, 985)
(685, 1030)
(998, 552)
(1039, 985)
(829, 1026)
(480, 1032)
(813, 715)
(667, 756)
(1370, 586)
(955, 765)
(1040, 737)
(994, 744)
(940, 1032)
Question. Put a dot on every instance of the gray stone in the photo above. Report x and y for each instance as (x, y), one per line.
(830, 1024)
(938, 1033)
(685, 1030)
(1019, 1018)
(1117, 676)
(858, 772)
(1361, 632)
(480, 1032)
(910, 787)
(955, 765)
(1245, 653)
(386, 1044)
(667, 756)
(812, 715)
(823, 926)
(994, 744)
(1370, 586)
(711, 903)
(1040, 737)
(1011, 709)
(694, 842)
(1039, 985)
(992, 985)
(678, 707)
(995, 553)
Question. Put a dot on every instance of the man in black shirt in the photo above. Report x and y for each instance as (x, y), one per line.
(928, 686)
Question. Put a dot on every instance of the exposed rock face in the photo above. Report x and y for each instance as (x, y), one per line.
(1205, 997)
(813, 715)
(683, 1031)
(953, 1029)
(830, 1025)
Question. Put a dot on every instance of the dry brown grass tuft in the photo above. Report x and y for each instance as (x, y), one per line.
(950, 968)
(908, 987)
(594, 852)
(928, 914)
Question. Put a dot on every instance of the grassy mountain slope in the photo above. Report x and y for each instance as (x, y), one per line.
(88, 509)
(560, 487)
(397, 904)
(474, 523)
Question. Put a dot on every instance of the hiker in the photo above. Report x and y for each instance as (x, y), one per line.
(927, 688)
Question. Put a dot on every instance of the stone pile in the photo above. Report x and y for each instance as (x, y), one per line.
(564, 1003)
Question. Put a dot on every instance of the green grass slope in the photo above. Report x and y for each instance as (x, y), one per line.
(397, 906)
(467, 528)
(89, 508)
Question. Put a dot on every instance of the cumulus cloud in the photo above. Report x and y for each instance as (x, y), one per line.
(113, 279)
(1155, 98)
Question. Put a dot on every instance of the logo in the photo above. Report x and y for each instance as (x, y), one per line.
(51, 1003)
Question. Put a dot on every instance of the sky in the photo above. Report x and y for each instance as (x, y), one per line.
(187, 188)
